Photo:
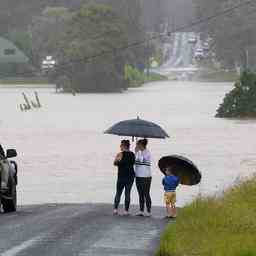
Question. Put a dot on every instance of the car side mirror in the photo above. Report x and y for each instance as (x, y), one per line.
(10, 153)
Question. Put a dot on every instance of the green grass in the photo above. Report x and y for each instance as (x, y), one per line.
(153, 77)
(223, 226)
(137, 78)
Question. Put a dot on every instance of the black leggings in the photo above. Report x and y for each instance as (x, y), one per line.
(143, 187)
(120, 186)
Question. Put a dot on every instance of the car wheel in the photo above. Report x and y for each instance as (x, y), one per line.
(10, 205)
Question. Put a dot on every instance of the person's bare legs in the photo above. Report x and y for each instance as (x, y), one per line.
(168, 210)
(173, 211)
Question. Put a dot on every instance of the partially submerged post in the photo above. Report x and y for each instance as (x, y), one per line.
(28, 105)
(38, 100)
(27, 101)
(25, 107)
(34, 105)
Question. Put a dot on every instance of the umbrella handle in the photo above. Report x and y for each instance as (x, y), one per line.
(134, 139)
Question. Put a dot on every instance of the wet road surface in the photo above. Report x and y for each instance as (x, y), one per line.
(82, 230)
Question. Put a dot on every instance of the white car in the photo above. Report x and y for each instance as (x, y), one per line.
(192, 40)
(206, 46)
(199, 53)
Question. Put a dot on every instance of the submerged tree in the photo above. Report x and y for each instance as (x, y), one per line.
(241, 101)
(89, 52)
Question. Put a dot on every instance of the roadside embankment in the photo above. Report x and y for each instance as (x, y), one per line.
(215, 226)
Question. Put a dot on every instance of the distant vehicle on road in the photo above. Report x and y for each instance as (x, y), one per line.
(192, 40)
(206, 46)
(8, 180)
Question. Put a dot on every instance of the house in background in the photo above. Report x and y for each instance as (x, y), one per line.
(13, 62)
(10, 54)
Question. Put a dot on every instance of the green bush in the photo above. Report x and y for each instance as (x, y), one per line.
(241, 101)
(136, 78)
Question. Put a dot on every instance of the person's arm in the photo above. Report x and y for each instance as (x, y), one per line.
(118, 159)
(147, 158)
(133, 159)
(163, 181)
(129, 160)
(139, 157)
(143, 158)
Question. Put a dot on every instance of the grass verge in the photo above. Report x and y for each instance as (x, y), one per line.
(223, 226)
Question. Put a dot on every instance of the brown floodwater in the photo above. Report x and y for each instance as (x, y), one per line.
(64, 157)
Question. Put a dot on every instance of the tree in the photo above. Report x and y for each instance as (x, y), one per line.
(47, 31)
(241, 101)
(233, 34)
(86, 53)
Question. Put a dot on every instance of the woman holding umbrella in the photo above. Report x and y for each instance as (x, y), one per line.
(143, 176)
(125, 162)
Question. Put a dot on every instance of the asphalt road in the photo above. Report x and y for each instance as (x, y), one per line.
(81, 230)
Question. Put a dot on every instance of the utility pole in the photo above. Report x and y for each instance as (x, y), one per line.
(247, 58)
(148, 54)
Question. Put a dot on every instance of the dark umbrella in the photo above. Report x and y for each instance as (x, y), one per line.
(137, 128)
(182, 167)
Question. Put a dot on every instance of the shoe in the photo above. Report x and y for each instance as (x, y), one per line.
(140, 214)
(126, 213)
(148, 214)
(115, 212)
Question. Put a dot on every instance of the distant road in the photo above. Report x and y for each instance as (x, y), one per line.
(81, 230)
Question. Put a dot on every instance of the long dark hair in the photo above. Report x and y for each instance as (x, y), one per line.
(126, 143)
(143, 142)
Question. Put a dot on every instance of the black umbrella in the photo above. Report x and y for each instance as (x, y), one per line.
(182, 167)
(137, 128)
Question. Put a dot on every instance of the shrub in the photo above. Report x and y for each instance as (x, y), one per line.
(241, 101)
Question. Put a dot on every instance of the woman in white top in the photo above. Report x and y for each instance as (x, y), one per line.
(143, 176)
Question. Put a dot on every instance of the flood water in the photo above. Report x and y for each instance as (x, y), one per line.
(64, 156)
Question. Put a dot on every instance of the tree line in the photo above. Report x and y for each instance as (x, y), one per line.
(75, 31)
(233, 34)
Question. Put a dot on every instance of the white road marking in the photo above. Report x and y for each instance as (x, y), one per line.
(23, 246)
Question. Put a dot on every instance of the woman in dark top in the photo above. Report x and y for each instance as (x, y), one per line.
(125, 161)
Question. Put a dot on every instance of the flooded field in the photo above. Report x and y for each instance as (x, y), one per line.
(64, 156)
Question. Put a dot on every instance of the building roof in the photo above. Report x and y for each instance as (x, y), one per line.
(9, 53)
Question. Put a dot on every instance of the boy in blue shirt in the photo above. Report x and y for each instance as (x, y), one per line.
(170, 183)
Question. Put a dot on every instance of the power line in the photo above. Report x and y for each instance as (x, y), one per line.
(197, 22)
(216, 15)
